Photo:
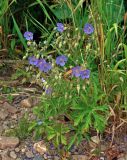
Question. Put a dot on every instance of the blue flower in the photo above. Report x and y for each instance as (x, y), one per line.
(60, 27)
(28, 35)
(33, 61)
(39, 122)
(48, 91)
(40, 62)
(45, 67)
(61, 60)
(76, 71)
(85, 74)
(88, 28)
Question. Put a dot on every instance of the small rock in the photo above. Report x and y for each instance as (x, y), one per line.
(38, 157)
(17, 150)
(10, 142)
(3, 114)
(4, 155)
(29, 154)
(23, 150)
(9, 108)
(95, 139)
(79, 157)
(124, 157)
(26, 103)
(40, 147)
(13, 155)
(6, 158)
(56, 158)
(103, 147)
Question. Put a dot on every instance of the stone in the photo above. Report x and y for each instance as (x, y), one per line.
(40, 147)
(26, 103)
(17, 150)
(124, 157)
(56, 158)
(80, 157)
(38, 157)
(13, 155)
(6, 157)
(3, 114)
(29, 154)
(8, 142)
(9, 108)
(103, 147)
(23, 150)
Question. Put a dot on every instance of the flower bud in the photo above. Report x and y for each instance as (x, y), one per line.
(76, 29)
(60, 44)
(28, 43)
(64, 42)
(56, 77)
(76, 45)
(66, 95)
(57, 34)
(70, 96)
(78, 88)
(83, 87)
(68, 35)
(38, 56)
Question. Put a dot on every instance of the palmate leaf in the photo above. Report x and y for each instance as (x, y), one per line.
(78, 118)
(63, 140)
(72, 140)
(99, 122)
(85, 125)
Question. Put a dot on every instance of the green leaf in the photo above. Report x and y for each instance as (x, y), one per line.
(73, 139)
(62, 11)
(19, 32)
(32, 126)
(51, 136)
(63, 140)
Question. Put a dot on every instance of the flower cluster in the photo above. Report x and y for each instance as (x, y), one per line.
(78, 72)
(88, 29)
(40, 63)
(45, 66)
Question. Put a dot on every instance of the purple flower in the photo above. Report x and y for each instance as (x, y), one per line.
(85, 74)
(33, 61)
(60, 27)
(28, 35)
(45, 67)
(88, 28)
(61, 60)
(40, 62)
(76, 71)
(48, 91)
